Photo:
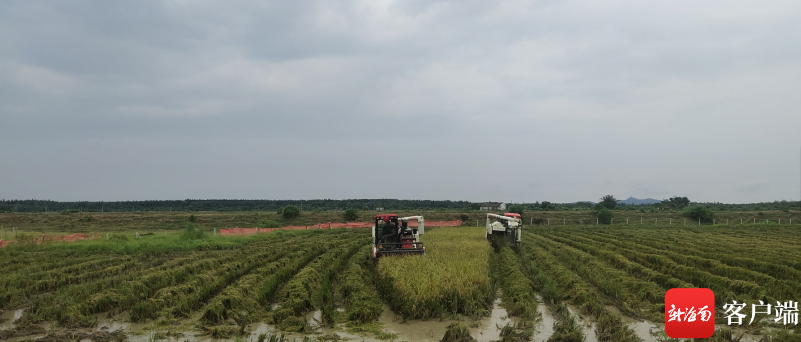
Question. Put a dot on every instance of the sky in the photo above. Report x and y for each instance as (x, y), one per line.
(516, 101)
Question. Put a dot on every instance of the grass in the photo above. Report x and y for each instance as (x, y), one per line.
(452, 278)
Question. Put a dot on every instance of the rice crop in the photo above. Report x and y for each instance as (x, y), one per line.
(451, 278)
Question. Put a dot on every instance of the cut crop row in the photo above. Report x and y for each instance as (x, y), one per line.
(517, 293)
(762, 259)
(774, 288)
(362, 303)
(180, 299)
(604, 252)
(632, 296)
(303, 292)
(570, 286)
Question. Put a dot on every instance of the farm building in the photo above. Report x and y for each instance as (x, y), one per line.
(492, 206)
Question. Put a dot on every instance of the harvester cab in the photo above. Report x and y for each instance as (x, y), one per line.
(395, 236)
(507, 226)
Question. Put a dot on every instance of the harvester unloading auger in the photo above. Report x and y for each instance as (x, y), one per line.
(507, 226)
(393, 236)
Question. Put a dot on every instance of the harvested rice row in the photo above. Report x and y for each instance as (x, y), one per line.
(726, 289)
(618, 261)
(632, 296)
(452, 278)
(571, 287)
(327, 286)
(303, 292)
(774, 288)
(71, 305)
(762, 258)
(243, 295)
(180, 299)
(38, 265)
(142, 286)
(68, 304)
(517, 292)
(362, 303)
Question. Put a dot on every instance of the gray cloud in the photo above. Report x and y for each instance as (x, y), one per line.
(505, 100)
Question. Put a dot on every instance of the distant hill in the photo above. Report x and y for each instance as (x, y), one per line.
(637, 201)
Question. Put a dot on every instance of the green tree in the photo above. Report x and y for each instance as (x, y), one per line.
(545, 205)
(699, 213)
(192, 218)
(676, 202)
(604, 215)
(351, 214)
(290, 212)
(609, 201)
(516, 208)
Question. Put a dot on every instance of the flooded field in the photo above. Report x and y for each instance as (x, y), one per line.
(571, 283)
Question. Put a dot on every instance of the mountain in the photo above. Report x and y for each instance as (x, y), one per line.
(637, 201)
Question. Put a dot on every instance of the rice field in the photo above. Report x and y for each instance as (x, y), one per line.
(451, 278)
(228, 287)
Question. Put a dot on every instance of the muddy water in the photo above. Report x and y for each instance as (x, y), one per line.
(544, 328)
(8, 318)
(485, 329)
(649, 331)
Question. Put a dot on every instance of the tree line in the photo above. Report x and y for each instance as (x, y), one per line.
(673, 203)
(228, 205)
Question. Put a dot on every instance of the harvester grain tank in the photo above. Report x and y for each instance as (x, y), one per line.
(392, 235)
(507, 226)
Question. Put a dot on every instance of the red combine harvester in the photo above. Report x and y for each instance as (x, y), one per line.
(393, 236)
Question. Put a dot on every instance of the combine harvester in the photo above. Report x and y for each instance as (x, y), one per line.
(508, 226)
(393, 236)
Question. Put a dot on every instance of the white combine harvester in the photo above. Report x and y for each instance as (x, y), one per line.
(507, 226)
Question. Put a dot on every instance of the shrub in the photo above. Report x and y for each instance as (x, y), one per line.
(464, 217)
(351, 214)
(119, 237)
(190, 233)
(268, 223)
(699, 213)
(192, 218)
(290, 212)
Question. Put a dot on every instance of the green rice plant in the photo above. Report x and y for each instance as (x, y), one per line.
(452, 278)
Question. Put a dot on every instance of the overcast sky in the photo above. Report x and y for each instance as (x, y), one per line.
(461, 100)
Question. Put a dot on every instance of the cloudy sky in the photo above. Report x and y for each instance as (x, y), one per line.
(461, 100)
